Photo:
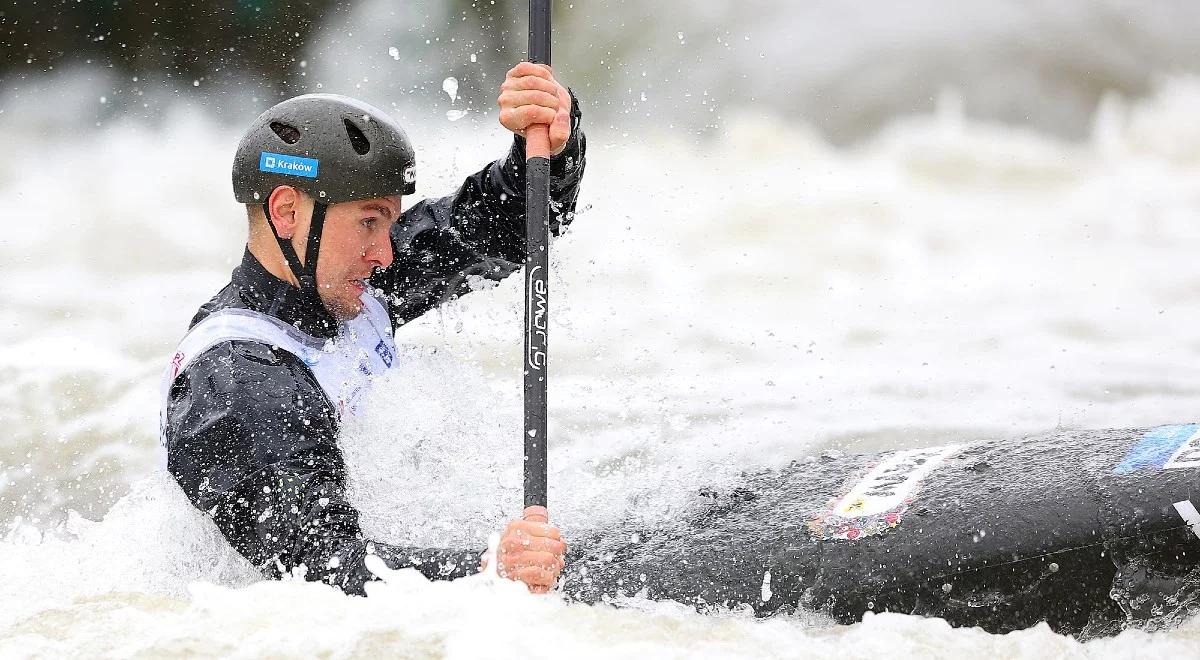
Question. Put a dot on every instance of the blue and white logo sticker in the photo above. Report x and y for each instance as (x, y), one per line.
(284, 164)
(1165, 447)
(384, 354)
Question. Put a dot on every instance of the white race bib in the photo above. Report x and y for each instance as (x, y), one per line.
(343, 366)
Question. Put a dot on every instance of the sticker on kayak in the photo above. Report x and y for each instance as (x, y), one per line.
(284, 164)
(877, 502)
(1190, 515)
(1165, 447)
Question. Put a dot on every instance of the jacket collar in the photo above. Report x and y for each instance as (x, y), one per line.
(263, 292)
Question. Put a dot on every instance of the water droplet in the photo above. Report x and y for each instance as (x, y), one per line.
(455, 115)
(450, 86)
(394, 52)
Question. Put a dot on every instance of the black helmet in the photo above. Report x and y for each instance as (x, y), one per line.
(335, 148)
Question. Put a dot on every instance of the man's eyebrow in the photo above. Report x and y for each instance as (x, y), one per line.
(378, 208)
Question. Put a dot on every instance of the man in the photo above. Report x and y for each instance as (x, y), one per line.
(271, 366)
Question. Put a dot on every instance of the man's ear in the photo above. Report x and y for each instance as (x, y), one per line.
(283, 204)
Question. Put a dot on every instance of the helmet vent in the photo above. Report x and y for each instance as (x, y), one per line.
(358, 140)
(289, 134)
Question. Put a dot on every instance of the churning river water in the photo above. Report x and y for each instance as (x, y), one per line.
(716, 307)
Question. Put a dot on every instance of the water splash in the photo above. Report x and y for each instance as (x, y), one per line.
(450, 86)
(885, 249)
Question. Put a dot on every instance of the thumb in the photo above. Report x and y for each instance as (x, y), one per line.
(537, 514)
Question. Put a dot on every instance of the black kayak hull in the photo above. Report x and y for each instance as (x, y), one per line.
(1089, 531)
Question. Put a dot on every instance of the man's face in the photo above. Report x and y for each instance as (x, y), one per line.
(355, 242)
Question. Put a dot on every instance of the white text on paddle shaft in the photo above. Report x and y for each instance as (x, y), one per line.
(537, 303)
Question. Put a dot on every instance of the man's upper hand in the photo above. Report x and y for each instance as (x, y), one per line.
(530, 96)
(531, 551)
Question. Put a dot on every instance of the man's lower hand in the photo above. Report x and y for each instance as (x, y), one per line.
(531, 551)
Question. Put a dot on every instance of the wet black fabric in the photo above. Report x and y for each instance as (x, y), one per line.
(252, 438)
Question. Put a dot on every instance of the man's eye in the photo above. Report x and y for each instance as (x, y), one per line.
(369, 223)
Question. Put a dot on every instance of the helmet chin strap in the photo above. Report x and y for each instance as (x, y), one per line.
(306, 273)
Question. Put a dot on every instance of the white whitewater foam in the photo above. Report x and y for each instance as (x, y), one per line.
(716, 307)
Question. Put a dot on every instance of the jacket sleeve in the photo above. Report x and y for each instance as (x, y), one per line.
(251, 439)
(438, 245)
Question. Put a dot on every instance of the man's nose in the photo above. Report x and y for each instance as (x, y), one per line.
(380, 253)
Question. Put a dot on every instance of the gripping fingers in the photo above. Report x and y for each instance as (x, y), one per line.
(524, 529)
(530, 527)
(560, 131)
(512, 566)
(536, 577)
(543, 560)
(512, 545)
(530, 96)
(532, 551)
(529, 83)
(522, 117)
(531, 69)
(517, 98)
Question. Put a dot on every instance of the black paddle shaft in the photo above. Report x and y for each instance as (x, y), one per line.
(537, 266)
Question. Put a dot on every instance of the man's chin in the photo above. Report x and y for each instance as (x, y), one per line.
(343, 310)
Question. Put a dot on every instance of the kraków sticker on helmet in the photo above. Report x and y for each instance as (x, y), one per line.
(285, 164)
